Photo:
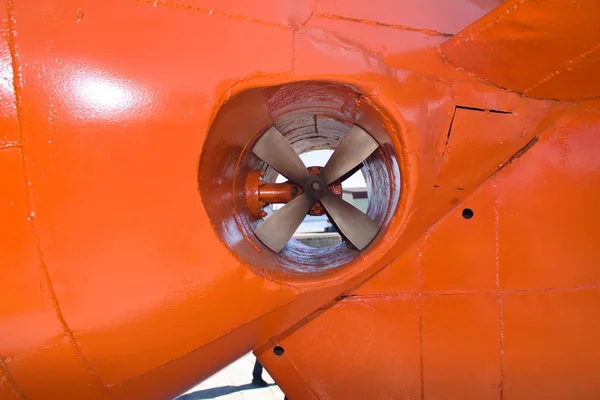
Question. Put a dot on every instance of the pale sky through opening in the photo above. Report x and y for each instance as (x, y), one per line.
(319, 158)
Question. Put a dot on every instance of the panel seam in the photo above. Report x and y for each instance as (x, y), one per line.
(499, 294)
(31, 217)
(6, 376)
(211, 12)
(565, 66)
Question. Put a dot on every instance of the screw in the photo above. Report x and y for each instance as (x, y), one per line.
(316, 186)
(263, 214)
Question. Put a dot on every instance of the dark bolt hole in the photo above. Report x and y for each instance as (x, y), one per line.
(278, 350)
(294, 190)
(467, 213)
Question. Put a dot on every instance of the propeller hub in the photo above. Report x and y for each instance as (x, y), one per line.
(315, 188)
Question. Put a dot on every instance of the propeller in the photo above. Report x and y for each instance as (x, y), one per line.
(274, 149)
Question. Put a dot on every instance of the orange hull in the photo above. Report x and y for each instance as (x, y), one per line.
(125, 273)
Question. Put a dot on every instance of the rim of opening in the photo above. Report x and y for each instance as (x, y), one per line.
(312, 115)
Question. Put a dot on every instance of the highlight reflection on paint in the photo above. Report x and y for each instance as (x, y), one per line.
(103, 94)
(107, 97)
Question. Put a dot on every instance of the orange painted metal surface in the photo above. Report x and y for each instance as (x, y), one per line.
(116, 283)
(542, 49)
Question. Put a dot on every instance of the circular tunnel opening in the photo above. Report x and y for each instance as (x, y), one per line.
(314, 117)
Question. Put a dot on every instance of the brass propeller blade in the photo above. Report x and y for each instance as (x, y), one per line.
(275, 150)
(354, 148)
(356, 226)
(277, 230)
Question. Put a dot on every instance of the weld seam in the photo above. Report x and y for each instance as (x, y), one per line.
(314, 393)
(441, 293)
(565, 66)
(47, 282)
(420, 308)
(508, 12)
(424, 31)
(293, 51)
(499, 294)
(10, 145)
(7, 377)
(212, 12)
